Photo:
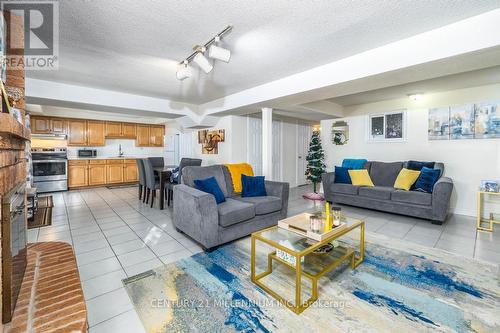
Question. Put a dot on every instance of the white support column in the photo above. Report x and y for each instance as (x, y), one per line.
(267, 143)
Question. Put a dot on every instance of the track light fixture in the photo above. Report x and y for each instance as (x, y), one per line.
(198, 56)
(219, 53)
(202, 61)
(184, 71)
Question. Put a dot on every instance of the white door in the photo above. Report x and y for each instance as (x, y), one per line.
(277, 150)
(254, 151)
(304, 133)
(186, 145)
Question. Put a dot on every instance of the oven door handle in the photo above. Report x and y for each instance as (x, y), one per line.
(49, 161)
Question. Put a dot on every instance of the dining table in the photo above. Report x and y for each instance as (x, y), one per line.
(164, 173)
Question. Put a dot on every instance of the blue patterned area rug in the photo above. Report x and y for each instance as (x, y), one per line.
(399, 287)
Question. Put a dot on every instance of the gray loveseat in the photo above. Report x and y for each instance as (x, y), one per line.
(431, 206)
(197, 215)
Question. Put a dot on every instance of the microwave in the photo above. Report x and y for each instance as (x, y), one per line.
(87, 153)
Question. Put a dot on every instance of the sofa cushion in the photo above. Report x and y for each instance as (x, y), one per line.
(406, 179)
(377, 192)
(427, 179)
(360, 178)
(342, 175)
(253, 186)
(344, 189)
(190, 173)
(412, 197)
(263, 205)
(385, 174)
(417, 165)
(234, 211)
(211, 186)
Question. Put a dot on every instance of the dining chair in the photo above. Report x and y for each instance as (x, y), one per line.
(142, 179)
(152, 182)
(185, 161)
(157, 161)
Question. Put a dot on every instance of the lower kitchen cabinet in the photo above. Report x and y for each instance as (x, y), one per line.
(78, 175)
(114, 173)
(97, 174)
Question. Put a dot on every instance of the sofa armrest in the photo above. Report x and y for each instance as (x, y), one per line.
(195, 213)
(281, 190)
(441, 195)
(328, 179)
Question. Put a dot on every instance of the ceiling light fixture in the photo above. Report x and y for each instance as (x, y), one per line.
(184, 71)
(219, 53)
(198, 57)
(416, 97)
(202, 61)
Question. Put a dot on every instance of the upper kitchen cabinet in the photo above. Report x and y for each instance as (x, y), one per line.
(157, 135)
(113, 129)
(129, 130)
(40, 125)
(77, 132)
(95, 133)
(48, 125)
(142, 139)
(116, 129)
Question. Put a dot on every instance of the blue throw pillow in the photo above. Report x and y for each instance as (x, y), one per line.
(428, 177)
(253, 186)
(416, 165)
(211, 186)
(342, 176)
(354, 164)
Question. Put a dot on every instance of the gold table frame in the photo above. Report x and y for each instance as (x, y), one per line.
(299, 307)
(480, 219)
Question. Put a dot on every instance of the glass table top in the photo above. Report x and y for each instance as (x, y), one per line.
(294, 241)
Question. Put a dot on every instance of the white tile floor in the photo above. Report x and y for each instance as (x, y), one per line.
(116, 236)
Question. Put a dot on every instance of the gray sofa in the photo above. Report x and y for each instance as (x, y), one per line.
(431, 206)
(197, 215)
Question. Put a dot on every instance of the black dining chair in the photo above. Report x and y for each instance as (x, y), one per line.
(185, 161)
(142, 179)
(152, 182)
(157, 162)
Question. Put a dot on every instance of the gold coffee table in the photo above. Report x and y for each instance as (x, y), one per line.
(314, 265)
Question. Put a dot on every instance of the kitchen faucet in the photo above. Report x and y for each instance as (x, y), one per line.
(120, 151)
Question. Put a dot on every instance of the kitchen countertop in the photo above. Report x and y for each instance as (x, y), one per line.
(105, 158)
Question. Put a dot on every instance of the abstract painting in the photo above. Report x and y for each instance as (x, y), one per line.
(209, 139)
(439, 123)
(487, 120)
(462, 122)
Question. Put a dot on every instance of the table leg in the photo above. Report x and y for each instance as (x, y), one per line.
(162, 189)
(252, 260)
(298, 284)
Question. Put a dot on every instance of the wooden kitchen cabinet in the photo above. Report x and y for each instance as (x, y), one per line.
(95, 133)
(58, 125)
(77, 132)
(114, 173)
(129, 130)
(130, 173)
(77, 175)
(40, 125)
(157, 135)
(142, 139)
(113, 129)
(97, 174)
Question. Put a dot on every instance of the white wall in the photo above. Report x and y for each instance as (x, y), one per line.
(467, 162)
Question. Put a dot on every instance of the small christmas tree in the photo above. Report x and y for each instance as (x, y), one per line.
(315, 160)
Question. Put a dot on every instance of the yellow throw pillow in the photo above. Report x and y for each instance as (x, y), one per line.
(236, 170)
(406, 179)
(360, 178)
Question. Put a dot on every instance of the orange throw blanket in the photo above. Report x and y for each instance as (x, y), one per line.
(236, 170)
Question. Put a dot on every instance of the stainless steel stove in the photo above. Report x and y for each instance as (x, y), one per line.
(50, 169)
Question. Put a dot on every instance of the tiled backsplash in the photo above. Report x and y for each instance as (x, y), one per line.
(128, 147)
